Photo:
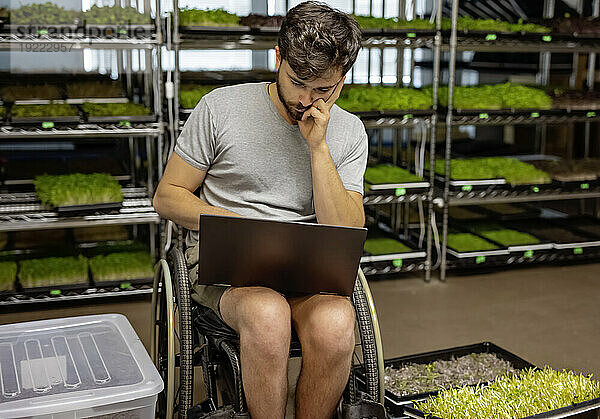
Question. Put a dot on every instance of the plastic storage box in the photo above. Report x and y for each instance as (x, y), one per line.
(78, 367)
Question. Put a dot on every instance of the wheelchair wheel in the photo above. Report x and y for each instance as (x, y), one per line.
(368, 354)
(171, 335)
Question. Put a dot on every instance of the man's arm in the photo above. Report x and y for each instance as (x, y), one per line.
(333, 203)
(174, 198)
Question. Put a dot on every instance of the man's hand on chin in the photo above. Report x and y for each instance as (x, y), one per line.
(314, 122)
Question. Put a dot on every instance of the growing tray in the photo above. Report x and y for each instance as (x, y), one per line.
(528, 249)
(523, 212)
(71, 210)
(402, 113)
(398, 189)
(396, 404)
(134, 29)
(123, 283)
(578, 410)
(41, 28)
(53, 290)
(561, 238)
(479, 254)
(80, 101)
(117, 119)
(391, 257)
(217, 30)
(589, 226)
(415, 254)
(46, 119)
(471, 184)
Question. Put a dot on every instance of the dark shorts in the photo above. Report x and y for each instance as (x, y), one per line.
(206, 295)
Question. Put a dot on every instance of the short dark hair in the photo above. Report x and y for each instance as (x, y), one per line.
(315, 38)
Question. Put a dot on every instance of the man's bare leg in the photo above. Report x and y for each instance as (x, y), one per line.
(261, 317)
(325, 327)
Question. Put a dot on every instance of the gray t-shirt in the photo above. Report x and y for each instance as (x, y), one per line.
(257, 164)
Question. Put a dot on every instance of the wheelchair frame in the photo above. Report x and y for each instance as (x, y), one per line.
(173, 341)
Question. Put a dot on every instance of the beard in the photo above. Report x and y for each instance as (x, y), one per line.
(289, 106)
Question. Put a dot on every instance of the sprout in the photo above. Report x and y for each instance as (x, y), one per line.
(78, 189)
(385, 173)
(514, 171)
(190, 95)
(122, 266)
(8, 274)
(369, 98)
(33, 111)
(216, 17)
(385, 246)
(115, 109)
(467, 242)
(529, 393)
(53, 271)
(475, 368)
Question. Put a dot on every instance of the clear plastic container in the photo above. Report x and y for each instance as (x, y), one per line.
(78, 367)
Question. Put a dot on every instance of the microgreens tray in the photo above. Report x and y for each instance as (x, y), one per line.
(561, 238)
(44, 119)
(395, 404)
(116, 119)
(70, 210)
(481, 249)
(569, 411)
(214, 29)
(587, 225)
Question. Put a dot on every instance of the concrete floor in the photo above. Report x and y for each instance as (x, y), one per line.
(546, 315)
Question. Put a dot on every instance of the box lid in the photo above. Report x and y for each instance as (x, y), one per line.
(68, 364)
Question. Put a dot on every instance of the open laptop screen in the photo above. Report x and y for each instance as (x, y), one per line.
(283, 255)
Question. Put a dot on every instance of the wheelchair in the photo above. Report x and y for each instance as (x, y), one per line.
(185, 335)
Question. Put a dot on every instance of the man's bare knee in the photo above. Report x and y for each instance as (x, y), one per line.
(328, 329)
(261, 316)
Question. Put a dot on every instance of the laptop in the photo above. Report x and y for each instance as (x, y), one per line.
(283, 255)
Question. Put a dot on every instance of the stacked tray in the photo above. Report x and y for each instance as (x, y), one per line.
(396, 404)
(383, 248)
(506, 236)
(562, 239)
(388, 179)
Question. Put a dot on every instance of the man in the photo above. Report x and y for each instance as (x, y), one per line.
(280, 151)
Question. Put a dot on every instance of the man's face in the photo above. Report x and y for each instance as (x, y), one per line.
(298, 95)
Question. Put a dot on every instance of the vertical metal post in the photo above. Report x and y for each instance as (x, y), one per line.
(353, 7)
(128, 69)
(153, 242)
(432, 137)
(176, 39)
(591, 75)
(379, 147)
(158, 22)
(452, 72)
(544, 75)
(381, 68)
(573, 78)
(149, 151)
(147, 76)
(395, 139)
(132, 159)
(399, 66)
(369, 67)
(401, 10)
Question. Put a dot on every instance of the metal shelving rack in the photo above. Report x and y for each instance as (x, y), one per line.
(22, 211)
(252, 39)
(545, 45)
